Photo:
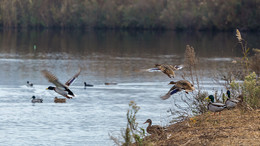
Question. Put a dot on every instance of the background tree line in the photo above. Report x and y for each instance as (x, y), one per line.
(140, 14)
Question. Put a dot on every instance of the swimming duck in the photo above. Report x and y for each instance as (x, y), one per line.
(29, 84)
(215, 106)
(230, 103)
(62, 89)
(153, 129)
(179, 86)
(87, 85)
(59, 100)
(110, 83)
(34, 100)
(168, 69)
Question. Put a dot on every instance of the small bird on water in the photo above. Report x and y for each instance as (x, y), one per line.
(87, 85)
(59, 100)
(29, 84)
(62, 89)
(36, 100)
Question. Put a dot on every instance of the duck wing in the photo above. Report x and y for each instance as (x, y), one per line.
(172, 91)
(234, 100)
(53, 79)
(153, 70)
(216, 107)
(178, 67)
(156, 129)
(70, 81)
(218, 104)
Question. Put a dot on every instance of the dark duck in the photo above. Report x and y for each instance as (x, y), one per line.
(29, 84)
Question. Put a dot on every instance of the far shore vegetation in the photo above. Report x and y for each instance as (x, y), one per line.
(220, 15)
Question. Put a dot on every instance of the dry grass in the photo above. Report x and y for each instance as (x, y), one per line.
(255, 63)
(232, 127)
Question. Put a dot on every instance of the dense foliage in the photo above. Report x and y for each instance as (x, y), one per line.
(143, 14)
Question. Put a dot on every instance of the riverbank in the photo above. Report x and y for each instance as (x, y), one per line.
(232, 127)
(141, 14)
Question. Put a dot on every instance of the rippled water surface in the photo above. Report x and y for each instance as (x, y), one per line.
(103, 57)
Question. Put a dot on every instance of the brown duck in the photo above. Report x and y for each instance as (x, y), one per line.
(59, 100)
(153, 129)
(168, 69)
(179, 86)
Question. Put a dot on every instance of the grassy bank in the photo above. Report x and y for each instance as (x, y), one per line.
(232, 127)
(128, 14)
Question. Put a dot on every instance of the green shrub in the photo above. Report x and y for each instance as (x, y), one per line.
(132, 133)
(249, 89)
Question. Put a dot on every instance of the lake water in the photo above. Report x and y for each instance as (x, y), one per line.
(103, 56)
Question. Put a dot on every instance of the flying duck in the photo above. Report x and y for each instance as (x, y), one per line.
(179, 86)
(36, 100)
(62, 89)
(215, 106)
(230, 103)
(153, 129)
(166, 69)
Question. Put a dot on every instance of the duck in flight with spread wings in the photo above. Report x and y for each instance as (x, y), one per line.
(62, 89)
(179, 86)
(166, 69)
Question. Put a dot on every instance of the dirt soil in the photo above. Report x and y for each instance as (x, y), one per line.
(231, 127)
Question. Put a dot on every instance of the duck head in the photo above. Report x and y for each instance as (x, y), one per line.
(211, 97)
(228, 93)
(33, 97)
(148, 121)
(50, 88)
(192, 87)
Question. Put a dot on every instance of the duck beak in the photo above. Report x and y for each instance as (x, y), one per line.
(207, 98)
(46, 88)
(145, 122)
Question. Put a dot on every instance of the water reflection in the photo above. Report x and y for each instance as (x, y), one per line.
(108, 55)
(84, 44)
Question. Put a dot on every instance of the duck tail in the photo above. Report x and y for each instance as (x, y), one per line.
(166, 96)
